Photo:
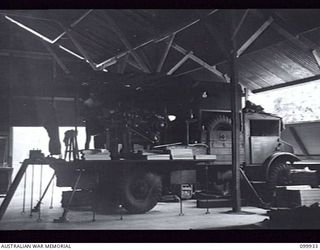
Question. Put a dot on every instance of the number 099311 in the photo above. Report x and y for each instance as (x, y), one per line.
(306, 246)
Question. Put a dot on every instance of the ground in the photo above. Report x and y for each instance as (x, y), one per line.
(165, 216)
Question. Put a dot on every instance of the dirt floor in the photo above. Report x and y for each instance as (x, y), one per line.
(163, 216)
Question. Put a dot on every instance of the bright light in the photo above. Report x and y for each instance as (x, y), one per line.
(171, 117)
(30, 30)
(43, 37)
(71, 52)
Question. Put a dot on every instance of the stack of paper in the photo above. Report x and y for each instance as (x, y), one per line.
(155, 156)
(158, 157)
(205, 157)
(96, 155)
(181, 153)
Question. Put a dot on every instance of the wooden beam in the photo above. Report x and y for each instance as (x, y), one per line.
(254, 36)
(73, 24)
(178, 65)
(189, 71)
(165, 54)
(300, 41)
(222, 43)
(240, 24)
(235, 111)
(285, 25)
(109, 50)
(81, 50)
(218, 37)
(26, 54)
(122, 64)
(290, 36)
(127, 44)
(56, 58)
(283, 30)
(212, 69)
(287, 84)
(297, 138)
(159, 38)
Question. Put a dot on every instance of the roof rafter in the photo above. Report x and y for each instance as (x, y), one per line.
(165, 53)
(158, 38)
(81, 50)
(204, 64)
(56, 58)
(254, 36)
(239, 24)
(72, 25)
(127, 44)
(179, 64)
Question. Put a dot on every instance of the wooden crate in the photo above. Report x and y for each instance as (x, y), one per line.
(221, 145)
(297, 198)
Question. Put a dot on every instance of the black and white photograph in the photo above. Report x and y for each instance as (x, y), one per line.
(159, 119)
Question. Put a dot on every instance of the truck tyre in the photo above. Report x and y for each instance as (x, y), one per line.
(221, 122)
(140, 191)
(221, 185)
(279, 175)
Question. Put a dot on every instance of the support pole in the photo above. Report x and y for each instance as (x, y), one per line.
(32, 184)
(207, 189)
(24, 193)
(37, 207)
(180, 196)
(235, 108)
(52, 194)
(63, 218)
(40, 194)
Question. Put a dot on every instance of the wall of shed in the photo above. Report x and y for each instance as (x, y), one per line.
(21, 79)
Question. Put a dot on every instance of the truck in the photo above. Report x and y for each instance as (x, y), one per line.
(174, 114)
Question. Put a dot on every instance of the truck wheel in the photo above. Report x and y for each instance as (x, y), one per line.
(221, 122)
(140, 191)
(279, 175)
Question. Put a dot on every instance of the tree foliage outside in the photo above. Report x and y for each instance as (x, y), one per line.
(294, 104)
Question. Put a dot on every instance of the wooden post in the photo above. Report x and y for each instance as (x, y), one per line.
(235, 108)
